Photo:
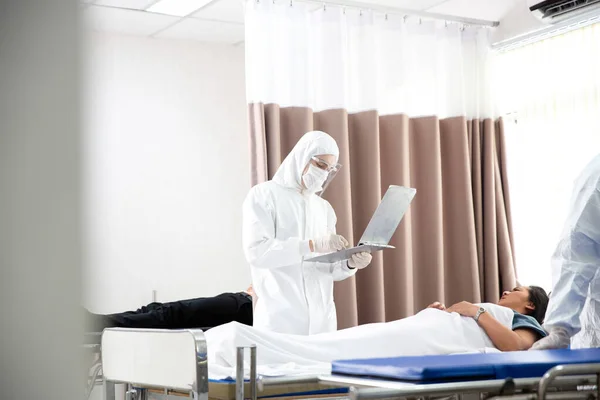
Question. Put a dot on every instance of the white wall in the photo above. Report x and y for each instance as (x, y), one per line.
(167, 170)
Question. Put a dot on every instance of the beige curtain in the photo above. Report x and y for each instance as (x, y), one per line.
(454, 244)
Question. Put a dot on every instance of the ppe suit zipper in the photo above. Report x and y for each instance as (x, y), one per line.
(302, 265)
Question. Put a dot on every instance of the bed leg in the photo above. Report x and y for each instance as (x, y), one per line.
(109, 390)
(200, 386)
(131, 394)
(239, 374)
(253, 372)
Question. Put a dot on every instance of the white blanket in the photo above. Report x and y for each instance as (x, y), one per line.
(426, 333)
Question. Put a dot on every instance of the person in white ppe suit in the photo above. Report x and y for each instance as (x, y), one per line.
(285, 222)
(573, 315)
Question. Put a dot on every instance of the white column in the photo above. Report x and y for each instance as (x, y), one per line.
(40, 252)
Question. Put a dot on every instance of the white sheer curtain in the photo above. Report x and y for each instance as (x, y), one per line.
(324, 57)
(552, 89)
(317, 67)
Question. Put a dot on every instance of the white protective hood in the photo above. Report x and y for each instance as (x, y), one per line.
(312, 144)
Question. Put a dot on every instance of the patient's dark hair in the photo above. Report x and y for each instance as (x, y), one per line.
(539, 298)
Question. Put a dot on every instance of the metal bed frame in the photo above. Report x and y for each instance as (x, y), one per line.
(577, 381)
(93, 349)
(92, 345)
(560, 382)
(199, 389)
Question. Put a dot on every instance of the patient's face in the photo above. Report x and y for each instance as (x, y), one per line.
(516, 299)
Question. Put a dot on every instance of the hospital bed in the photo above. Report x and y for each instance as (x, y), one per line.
(159, 364)
(169, 364)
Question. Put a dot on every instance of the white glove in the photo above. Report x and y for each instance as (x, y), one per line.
(360, 260)
(329, 244)
(557, 339)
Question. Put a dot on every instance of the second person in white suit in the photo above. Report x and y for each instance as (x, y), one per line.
(285, 222)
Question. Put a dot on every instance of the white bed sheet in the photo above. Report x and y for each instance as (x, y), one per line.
(429, 332)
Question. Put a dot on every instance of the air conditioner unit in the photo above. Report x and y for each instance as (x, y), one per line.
(552, 11)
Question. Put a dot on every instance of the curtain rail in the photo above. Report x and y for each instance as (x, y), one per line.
(402, 11)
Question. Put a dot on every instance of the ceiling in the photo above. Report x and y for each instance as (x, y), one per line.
(222, 21)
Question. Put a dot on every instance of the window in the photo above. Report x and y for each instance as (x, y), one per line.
(549, 93)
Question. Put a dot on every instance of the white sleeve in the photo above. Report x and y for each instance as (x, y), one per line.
(339, 270)
(577, 258)
(261, 248)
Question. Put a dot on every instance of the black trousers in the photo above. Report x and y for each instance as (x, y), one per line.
(203, 312)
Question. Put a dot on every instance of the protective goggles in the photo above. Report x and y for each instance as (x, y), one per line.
(325, 166)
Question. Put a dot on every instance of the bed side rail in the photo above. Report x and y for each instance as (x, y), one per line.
(156, 358)
(560, 382)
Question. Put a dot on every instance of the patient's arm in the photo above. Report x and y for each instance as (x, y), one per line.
(503, 338)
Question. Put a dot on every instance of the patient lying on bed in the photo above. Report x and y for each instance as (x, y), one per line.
(514, 323)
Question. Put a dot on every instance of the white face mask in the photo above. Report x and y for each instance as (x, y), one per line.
(314, 178)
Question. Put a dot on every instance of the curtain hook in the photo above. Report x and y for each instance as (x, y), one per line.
(386, 17)
(324, 7)
(445, 24)
(404, 18)
(420, 21)
(360, 12)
